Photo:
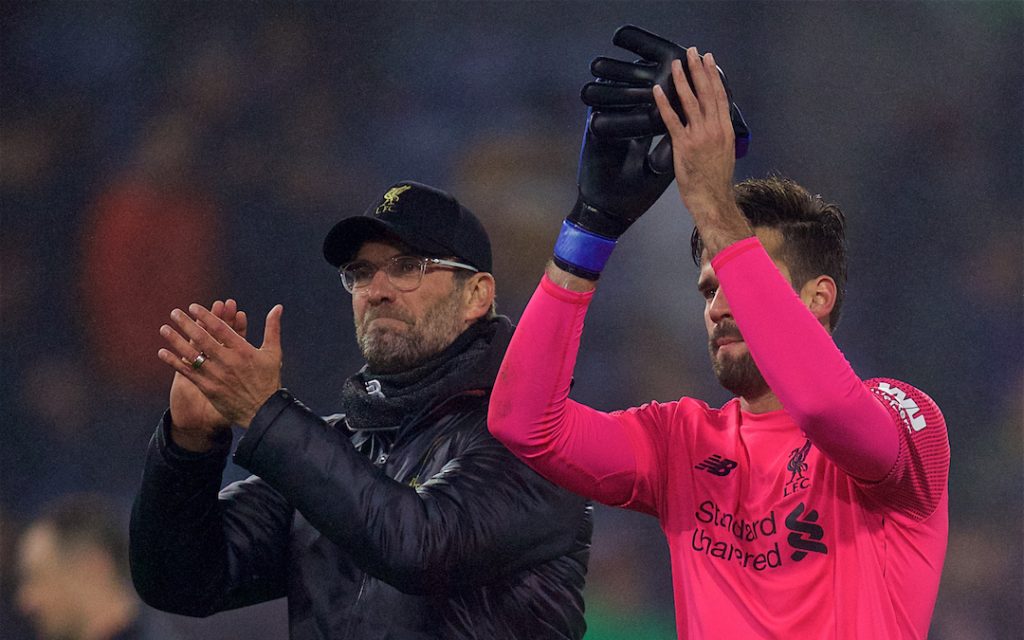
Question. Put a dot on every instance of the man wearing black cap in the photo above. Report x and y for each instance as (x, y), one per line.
(399, 518)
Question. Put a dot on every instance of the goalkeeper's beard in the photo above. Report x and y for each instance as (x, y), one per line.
(737, 373)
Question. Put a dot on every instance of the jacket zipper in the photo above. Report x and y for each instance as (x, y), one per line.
(379, 461)
(359, 596)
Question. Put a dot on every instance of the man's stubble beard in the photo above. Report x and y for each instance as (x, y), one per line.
(388, 350)
(739, 375)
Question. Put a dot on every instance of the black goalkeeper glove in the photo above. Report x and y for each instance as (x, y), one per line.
(617, 184)
(620, 177)
(623, 100)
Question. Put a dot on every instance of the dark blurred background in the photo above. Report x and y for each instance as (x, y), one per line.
(155, 154)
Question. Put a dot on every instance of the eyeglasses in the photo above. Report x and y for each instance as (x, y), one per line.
(405, 273)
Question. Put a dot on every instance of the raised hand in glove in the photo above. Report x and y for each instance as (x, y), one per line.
(623, 102)
(617, 184)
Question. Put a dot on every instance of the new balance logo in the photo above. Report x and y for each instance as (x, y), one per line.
(717, 465)
(805, 534)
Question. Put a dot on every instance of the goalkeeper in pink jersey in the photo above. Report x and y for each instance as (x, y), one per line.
(814, 503)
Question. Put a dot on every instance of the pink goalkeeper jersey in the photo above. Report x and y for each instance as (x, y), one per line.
(769, 536)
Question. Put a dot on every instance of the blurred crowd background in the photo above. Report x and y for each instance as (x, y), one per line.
(155, 154)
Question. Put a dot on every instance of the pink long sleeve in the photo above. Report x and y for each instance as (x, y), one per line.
(803, 366)
(579, 448)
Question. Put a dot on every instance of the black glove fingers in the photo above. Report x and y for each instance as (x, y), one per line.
(630, 124)
(639, 72)
(739, 127)
(610, 96)
(646, 44)
(660, 159)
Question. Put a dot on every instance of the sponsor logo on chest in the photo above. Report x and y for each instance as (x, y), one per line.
(717, 465)
(754, 543)
(781, 535)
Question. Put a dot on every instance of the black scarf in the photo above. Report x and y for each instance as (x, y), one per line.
(392, 400)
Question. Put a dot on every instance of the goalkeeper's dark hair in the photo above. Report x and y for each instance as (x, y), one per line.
(813, 231)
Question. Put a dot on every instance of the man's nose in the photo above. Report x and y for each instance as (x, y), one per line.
(719, 307)
(380, 288)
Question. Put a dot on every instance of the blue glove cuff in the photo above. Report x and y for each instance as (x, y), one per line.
(582, 248)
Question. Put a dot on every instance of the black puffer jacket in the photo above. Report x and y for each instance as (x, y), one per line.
(431, 531)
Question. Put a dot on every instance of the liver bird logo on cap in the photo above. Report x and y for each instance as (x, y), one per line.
(391, 199)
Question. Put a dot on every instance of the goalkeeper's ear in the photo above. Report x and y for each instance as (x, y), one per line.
(819, 294)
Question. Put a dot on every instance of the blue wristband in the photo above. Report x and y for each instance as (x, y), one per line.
(582, 248)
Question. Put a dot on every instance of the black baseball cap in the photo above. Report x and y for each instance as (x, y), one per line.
(425, 218)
